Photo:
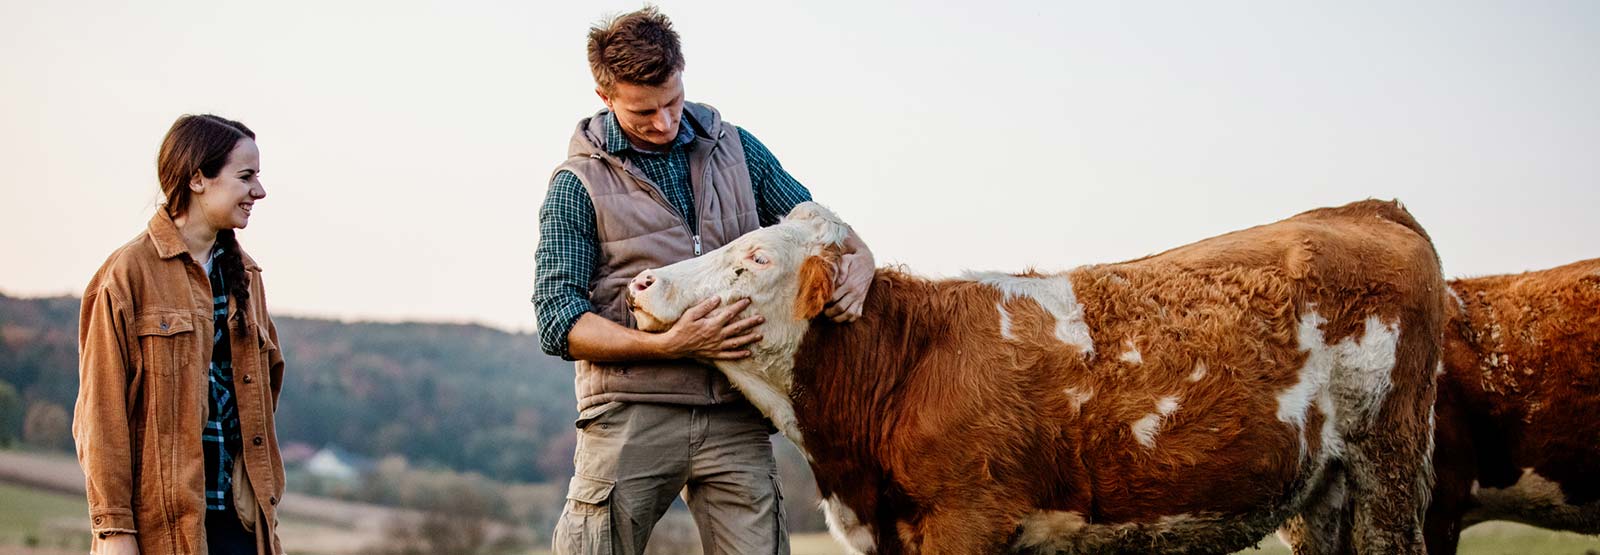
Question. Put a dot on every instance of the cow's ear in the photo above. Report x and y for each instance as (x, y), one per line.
(816, 285)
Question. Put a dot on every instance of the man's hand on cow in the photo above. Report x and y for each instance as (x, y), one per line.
(856, 271)
(708, 331)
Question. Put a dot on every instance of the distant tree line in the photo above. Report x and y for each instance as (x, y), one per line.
(464, 397)
(447, 401)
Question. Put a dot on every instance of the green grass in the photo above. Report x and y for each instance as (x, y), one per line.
(46, 516)
(1494, 538)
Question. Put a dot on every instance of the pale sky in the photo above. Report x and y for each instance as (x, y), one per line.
(406, 146)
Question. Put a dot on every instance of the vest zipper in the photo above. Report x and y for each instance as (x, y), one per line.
(660, 197)
(707, 181)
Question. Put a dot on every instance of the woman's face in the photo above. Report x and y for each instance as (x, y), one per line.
(224, 201)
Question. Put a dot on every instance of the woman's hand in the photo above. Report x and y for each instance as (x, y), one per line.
(117, 544)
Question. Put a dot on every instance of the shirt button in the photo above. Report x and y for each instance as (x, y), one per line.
(256, 441)
(98, 520)
(246, 378)
(273, 500)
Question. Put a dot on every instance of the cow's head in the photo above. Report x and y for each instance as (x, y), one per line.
(786, 271)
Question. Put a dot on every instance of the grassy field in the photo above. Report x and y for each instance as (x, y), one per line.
(39, 517)
(58, 522)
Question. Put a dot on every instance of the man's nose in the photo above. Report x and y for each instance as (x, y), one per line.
(642, 282)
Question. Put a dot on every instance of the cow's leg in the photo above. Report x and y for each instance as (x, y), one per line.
(951, 532)
(1454, 470)
(1323, 525)
(1388, 433)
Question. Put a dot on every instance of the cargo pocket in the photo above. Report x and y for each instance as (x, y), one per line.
(585, 527)
(591, 414)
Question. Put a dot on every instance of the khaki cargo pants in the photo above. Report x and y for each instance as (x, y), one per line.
(632, 458)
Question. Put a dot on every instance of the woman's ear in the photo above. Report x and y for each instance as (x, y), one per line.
(197, 183)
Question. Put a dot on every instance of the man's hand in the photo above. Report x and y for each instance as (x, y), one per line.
(707, 332)
(856, 271)
(117, 544)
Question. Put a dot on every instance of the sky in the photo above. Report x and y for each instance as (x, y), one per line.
(406, 146)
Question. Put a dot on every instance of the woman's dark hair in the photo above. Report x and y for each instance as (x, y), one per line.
(200, 144)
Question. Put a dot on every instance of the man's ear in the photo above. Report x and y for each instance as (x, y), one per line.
(600, 92)
(816, 283)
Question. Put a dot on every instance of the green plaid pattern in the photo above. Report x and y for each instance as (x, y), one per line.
(220, 437)
(569, 244)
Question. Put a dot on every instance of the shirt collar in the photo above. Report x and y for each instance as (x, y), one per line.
(616, 142)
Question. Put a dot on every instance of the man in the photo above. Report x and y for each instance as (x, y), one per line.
(649, 181)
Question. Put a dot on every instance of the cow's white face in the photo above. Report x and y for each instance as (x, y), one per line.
(786, 271)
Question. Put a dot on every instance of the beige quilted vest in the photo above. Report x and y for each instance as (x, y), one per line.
(639, 229)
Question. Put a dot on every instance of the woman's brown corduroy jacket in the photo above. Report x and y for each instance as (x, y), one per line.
(144, 340)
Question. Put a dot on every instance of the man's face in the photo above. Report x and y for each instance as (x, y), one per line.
(648, 115)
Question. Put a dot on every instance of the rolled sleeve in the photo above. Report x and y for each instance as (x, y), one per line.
(564, 262)
(100, 428)
(775, 190)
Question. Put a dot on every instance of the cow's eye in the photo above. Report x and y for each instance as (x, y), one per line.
(759, 258)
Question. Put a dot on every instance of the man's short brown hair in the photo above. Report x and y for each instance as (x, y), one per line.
(637, 47)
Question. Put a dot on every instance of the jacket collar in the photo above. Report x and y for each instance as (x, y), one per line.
(169, 241)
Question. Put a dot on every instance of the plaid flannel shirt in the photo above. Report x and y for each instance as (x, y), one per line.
(569, 244)
(220, 437)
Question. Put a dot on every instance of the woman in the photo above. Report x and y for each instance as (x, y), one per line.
(179, 369)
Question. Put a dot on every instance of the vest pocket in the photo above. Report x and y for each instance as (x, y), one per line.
(165, 339)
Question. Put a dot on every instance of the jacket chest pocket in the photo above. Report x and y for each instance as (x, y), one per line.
(166, 341)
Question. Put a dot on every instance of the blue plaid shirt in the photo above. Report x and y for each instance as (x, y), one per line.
(569, 244)
(220, 437)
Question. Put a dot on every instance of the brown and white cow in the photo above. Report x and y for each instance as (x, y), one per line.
(1519, 404)
(1186, 402)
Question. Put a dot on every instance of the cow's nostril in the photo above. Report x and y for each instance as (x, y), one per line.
(641, 282)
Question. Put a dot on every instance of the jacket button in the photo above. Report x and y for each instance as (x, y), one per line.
(273, 500)
(247, 378)
(256, 441)
(163, 326)
(98, 520)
